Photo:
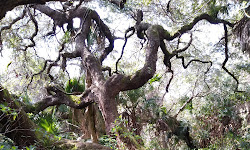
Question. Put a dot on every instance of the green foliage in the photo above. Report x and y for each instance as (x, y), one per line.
(120, 131)
(8, 147)
(63, 108)
(244, 67)
(139, 2)
(109, 141)
(218, 105)
(92, 36)
(219, 124)
(8, 111)
(155, 79)
(151, 105)
(157, 112)
(25, 98)
(146, 2)
(47, 139)
(31, 147)
(222, 104)
(132, 96)
(212, 7)
(231, 141)
(48, 123)
(8, 144)
(66, 38)
(75, 85)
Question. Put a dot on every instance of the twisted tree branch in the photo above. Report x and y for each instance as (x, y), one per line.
(126, 39)
(60, 97)
(188, 27)
(226, 58)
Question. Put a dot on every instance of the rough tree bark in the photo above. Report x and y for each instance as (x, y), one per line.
(24, 132)
(91, 113)
(8, 5)
(104, 90)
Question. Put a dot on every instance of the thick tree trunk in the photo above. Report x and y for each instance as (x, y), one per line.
(81, 119)
(91, 112)
(91, 122)
(23, 131)
(108, 106)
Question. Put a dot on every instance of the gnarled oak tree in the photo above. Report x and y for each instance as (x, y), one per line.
(101, 89)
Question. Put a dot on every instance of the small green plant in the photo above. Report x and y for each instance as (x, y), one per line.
(48, 123)
(75, 85)
(109, 141)
(125, 135)
(8, 111)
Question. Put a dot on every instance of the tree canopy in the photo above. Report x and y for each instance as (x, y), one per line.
(71, 67)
